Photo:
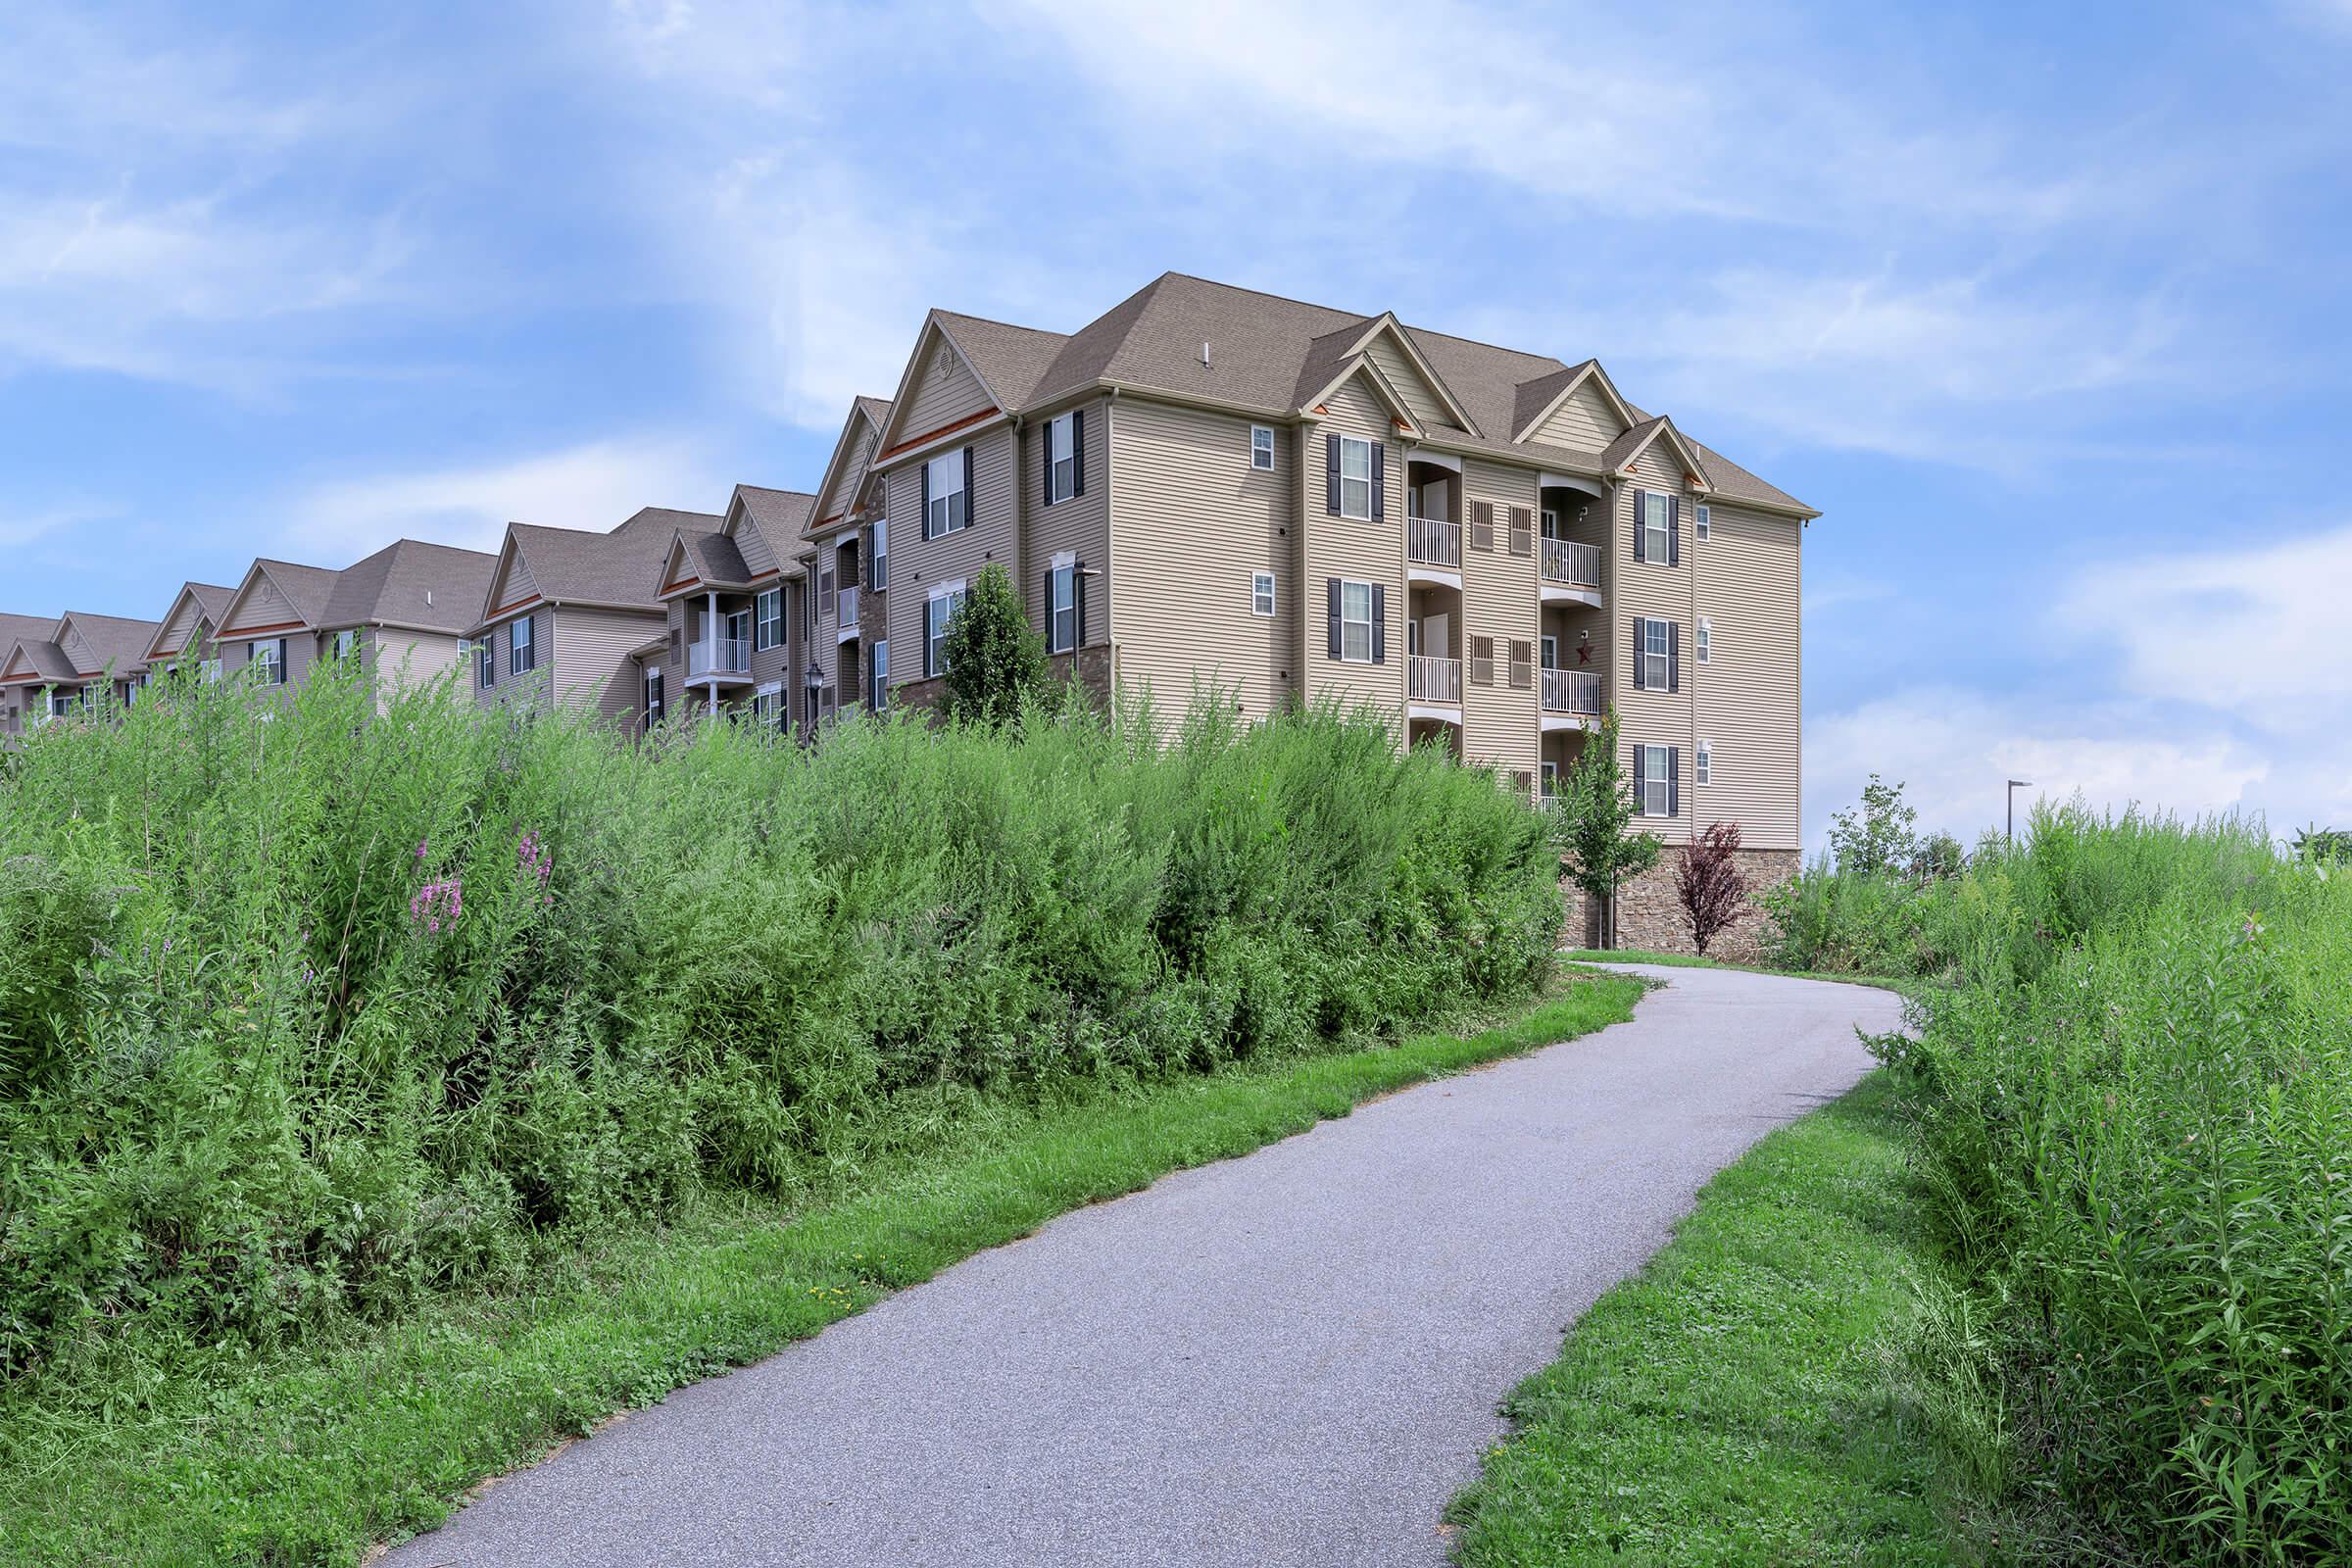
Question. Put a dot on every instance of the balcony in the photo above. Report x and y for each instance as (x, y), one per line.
(1433, 550)
(1570, 697)
(844, 615)
(719, 659)
(1571, 572)
(1432, 683)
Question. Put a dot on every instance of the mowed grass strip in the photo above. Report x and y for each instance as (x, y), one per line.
(309, 1460)
(1732, 1403)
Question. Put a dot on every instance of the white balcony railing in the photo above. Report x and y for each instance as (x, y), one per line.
(1570, 691)
(846, 612)
(1432, 680)
(1433, 542)
(719, 655)
(1569, 562)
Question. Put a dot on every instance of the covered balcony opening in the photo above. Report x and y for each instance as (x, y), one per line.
(718, 639)
(1572, 529)
(1433, 646)
(1558, 752)
(1433, 524)
(847, 564)
(1445, 735)
(1570, 647)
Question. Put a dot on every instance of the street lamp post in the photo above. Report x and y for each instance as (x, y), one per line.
(2015, 785)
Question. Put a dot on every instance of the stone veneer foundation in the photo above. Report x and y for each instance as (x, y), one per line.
(1649, 916)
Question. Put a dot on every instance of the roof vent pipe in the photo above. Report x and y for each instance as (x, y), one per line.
(1204, 351)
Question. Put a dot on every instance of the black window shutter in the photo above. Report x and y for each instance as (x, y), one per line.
(1077, 451)
(1331, 478)
(1049, 603)
(967, 485)
(927, 534)
(1380, 620)
(1380, 483)
(1077, 603)
(1332, 585)
(1674, 656)
(1045, 464)
(1640, 545)
(1674, 530)
(1674, 781)
(1641, 780)
(1639, 625)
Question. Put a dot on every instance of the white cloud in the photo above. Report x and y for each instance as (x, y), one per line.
(1954, 750)
(2252, 630)
(589, 486)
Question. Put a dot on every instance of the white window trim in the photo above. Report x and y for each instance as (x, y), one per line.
(1704, 767)
(1061, 459)
(1062, 561)
(947, 465)
(1547, 780)
(1264, 447)
(522, 636)
(651, 693)
(878, 675)
(761, 638)
(1347, 622)
(1706, 630)
(1262, 591)
(1350, 444)
(878, 568)
(1657, 536)
(1702, 522)
(1656, 666)
(935, 643)
(1654, 793)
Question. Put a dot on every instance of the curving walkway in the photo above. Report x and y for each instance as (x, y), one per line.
(1290, 1358)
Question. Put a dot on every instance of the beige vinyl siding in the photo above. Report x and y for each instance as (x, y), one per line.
(1384, 352)
(825, 651)
(674, 625)
(592, 666)
(773, 663)
(1500, 724)
(1080, 525)
(1192, 524)
(1745, 695)
(412, 659)
(918, 565)
(944, 391)
(264, 605)
(852, 473)
(1654, 590)
(181, 629)
(536, 686)
(1586, 421)
(514, 584)
(1355, 550)
(753, 545)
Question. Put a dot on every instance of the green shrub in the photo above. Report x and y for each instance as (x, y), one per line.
(311, 1006)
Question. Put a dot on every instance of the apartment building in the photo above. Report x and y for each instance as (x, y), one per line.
(1212, 488)
(273, 624)
(57, 667)
(188, 635)
(568, 613)
(729, 642)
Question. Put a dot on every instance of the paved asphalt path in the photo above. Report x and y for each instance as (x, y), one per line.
(1289, 1358)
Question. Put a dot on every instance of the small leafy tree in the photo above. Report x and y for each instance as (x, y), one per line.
(1710, 884)
(1938, 854)
(1592, 818)
(995, 658)
(2318, 846)
(1877, 835)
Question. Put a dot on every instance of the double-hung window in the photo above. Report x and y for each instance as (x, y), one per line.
(1704, 523)
(1657, 527)
(653, 694)
(1706, 629)
(270, 658)
(947, 509)
(1355, 478)
(1061, 605)
(1061, 458)
(1262, 593)
(485, 663)
(522, 651)
(1656, 779)
(877, 569)
(770, 626)
(1552, 779)
(1355, 623)
(877, 677)
(1261, 447)
(1656, 645)
(1707, 762)
(346, 641)
(937, 612)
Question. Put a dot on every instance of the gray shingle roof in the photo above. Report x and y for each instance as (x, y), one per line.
(109, 642)
(412, 583)
(41, 657)
(14, 629)
(620, 567)
(713, 559)
(307, 588)
(781, 515)
(1010, 360)
(1271, 352)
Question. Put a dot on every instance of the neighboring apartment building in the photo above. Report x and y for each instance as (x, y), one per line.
(409, 610)
(568, 613)
(730, 641)
(14, 629)
(189, 633)
(56, 670)
(1212, 486)
(273, 624)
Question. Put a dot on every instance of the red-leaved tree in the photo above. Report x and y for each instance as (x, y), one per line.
(1709, 882)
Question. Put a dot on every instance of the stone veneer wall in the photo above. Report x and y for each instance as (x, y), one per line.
(1651, 917)
(1093, 666)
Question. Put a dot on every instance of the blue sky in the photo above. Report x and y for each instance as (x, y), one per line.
(2044, 307)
